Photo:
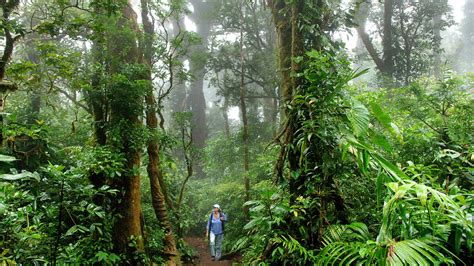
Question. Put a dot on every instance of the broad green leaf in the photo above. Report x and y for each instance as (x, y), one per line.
(359, 118)
(393, 170)
(6, 158)
(382, 142)
(71, 231)
(385, 120)
(13, 177)
(415, 252)
(102, 256)
(393, 186)
(380, 115)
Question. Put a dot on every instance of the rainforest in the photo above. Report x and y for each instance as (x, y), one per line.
(236, 132)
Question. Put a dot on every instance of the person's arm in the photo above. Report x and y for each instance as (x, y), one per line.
(223, 217)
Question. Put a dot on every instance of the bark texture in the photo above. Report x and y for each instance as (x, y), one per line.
(153, 149)
(127, 228)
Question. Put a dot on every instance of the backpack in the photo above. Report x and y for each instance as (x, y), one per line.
(210, 222)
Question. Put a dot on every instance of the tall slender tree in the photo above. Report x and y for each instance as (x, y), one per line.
(154, 167)
(198, 57)
(243, 110)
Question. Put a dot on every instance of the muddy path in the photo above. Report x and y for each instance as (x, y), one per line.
(203, 254)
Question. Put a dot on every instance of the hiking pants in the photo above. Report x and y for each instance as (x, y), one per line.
(216, 245)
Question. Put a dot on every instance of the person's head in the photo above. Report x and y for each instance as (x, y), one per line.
(216, 207)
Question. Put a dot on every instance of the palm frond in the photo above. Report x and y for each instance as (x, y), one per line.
(422, 251)
(352, 232)
(427, 204)
(358, 116)
(349, 253)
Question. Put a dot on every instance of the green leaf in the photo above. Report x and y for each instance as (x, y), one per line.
(422, 194)
(102, 256)
(13, 177)
(385, 120)
(359, 118)
(420, 251)
(380, 115)
(6, 158)
(3, 208)
(393, 170)
(71, 231)
(382, 142)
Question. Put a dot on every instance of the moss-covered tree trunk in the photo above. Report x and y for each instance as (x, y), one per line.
(283, 30)
(126, 106)
(153, 149)
(96, 97)
(306, 170)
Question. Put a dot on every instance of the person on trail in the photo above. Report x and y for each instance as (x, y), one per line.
(215, 231)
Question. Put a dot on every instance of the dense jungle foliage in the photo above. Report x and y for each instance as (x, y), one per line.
(330, 132)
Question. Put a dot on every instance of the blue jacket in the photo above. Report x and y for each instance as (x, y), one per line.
(216, 226)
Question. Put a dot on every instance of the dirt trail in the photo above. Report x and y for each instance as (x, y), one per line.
(203, 256)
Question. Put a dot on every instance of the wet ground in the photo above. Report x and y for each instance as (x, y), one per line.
(203, 255)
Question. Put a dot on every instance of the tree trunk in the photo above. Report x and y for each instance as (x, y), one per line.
(384, 64)
(35, 97)
(283, 30)
(157, 197)
(97, 99)
(387, 40)
(437, 42)
(243, 109)
(287, 19)
(153, 149)
(35, 108)
(127, 227)
(197, 66)
(225, 109)
(179, 101)
(7, 8)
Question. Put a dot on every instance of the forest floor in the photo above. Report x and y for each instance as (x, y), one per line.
(203, 254)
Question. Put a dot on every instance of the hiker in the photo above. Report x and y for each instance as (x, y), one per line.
(215, 231)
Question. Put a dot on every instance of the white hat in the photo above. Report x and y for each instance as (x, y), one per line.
(216, 206)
